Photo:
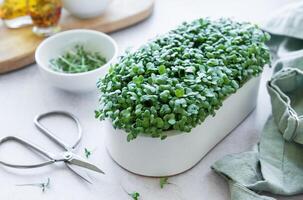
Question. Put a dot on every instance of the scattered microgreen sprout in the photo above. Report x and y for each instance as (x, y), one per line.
(163, 181)
(178, 79)
(134, 195)
(46, 185)
(87, 153)
(77, 60)
(43, 185)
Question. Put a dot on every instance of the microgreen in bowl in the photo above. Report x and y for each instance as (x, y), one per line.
(77, 60)
(178, 79)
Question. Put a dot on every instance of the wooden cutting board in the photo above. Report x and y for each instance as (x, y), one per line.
(17, 46)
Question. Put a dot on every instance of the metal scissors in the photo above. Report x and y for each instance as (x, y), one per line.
(72, 161)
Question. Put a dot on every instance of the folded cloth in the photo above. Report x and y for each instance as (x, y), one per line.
(286, 28)
(286, 91)
(275, 165)
(286, 21)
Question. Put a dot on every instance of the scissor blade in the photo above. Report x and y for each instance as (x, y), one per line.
(82, 174)
(76, 160)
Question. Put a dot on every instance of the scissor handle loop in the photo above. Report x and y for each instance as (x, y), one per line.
(29, 145)
(49, 134)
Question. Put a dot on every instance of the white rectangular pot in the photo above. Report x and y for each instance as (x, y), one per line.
(179, 152)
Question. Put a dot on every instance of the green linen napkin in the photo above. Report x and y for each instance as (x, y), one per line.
(275, 165)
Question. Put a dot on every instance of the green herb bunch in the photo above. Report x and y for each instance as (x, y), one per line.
(77, 60)
(176, 80)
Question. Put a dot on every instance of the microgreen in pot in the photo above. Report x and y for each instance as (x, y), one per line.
(178, 79)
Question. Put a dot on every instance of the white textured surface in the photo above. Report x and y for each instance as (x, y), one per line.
(23, 94)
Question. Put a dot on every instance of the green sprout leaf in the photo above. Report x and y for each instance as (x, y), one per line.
(179, 92)
(97, 114)
(162, 69)
(134, 195)
(171, 121)
(87, 153)
(163, 182)
(130, 137)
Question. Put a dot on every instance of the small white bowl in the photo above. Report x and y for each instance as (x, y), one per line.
(57, 44)
(85, 8)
